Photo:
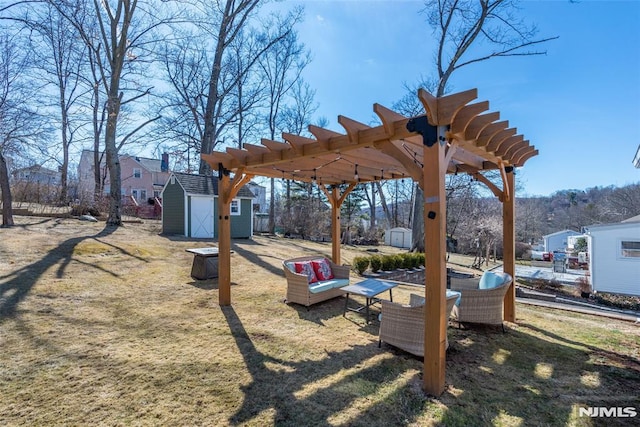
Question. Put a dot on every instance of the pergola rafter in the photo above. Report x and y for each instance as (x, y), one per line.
(454, 136)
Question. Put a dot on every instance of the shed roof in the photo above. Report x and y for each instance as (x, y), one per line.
(205, 185)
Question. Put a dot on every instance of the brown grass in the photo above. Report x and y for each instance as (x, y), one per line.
(106, 327)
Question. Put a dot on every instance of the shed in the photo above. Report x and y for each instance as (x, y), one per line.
(614, 257)
(190, 207)
(398, 237)
(558, 241)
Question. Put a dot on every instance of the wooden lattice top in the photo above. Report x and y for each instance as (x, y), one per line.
(476, 140)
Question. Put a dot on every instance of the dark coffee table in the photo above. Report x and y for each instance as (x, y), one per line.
(369, 289)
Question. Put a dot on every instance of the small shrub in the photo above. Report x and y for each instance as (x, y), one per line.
(416, 259)
(583, 285)
(407, 260)
(388, 262)
(375, 262)
(360, 264)
(397, 261)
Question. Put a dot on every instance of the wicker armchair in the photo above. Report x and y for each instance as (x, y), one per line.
(402, 325)
(298, 290)
(482, 305)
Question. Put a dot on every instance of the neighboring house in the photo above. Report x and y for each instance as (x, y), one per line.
(37, 174)
(398, 237)
(190, 207)
(260, 199)
(614, 257)
(141, 178)
(558, 241)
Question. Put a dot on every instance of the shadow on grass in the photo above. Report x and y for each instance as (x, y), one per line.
(330, 309)
(250, 255)
(303, 393)
(207, 285)
(20, 282)
(492, 378)
(499, 378)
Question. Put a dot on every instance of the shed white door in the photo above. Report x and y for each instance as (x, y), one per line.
(202, 217)
(397, 239)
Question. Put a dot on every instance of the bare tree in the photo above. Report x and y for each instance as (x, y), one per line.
(59, 55)
(119, 35)
(22, 128)
(225, 24)
(281, 66)
(493, 28)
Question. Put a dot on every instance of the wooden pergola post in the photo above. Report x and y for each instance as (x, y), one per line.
(335, 226)
(224, 237)
(335, 200)
(509, 244)
(227, 190)
(435, 216)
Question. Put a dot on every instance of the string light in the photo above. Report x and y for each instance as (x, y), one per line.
(356, 177)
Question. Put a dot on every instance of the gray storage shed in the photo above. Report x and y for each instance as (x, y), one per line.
(190, 207)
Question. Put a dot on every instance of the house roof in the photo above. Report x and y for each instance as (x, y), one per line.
(597, 227)
(205, 185)
(557, 233)
(152, 165)
(37, 168)
(632, 219)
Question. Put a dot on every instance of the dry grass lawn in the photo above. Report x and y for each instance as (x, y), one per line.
(105, 326)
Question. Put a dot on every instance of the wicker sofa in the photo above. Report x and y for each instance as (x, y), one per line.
(481, 301)
(301, 291)
(402, 325)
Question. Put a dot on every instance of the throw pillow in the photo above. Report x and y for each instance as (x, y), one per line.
(490, 280)
(322, 268)
(306, 268)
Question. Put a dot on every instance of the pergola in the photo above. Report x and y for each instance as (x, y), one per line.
(455, 136)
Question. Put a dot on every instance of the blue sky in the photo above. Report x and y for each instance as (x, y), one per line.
(579, 104)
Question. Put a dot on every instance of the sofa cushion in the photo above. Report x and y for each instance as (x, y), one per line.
(325, 285)
(305, 267)
(322, 268)
(490, 280)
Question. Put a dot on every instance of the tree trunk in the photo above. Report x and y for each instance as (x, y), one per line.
(210, 125)
(272, 207)
(373, 207)
(7, 209)
(383, 202)
(113, 163)
(417, 232)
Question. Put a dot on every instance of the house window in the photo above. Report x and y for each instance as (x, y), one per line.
(235, 207)
(134, 194)
(137, 173)
(630, 249)
(143, 195)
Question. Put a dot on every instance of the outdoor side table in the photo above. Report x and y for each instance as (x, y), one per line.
(205, 263)
(369, 289)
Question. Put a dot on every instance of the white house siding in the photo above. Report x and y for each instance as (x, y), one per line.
(558, 241)
(611, 270)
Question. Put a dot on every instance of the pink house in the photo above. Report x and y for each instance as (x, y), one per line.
(141, 178)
